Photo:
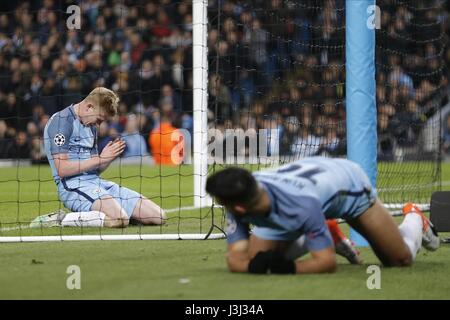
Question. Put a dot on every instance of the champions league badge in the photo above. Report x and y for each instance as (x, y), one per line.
(59, 139)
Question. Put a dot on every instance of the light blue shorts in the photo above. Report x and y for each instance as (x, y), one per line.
(80, 192)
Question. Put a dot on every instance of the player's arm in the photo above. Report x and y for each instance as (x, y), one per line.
(238, 244)
(119, 145)
(319, 243)
(237, 256)
(67, 167)
(59, 132)
(321, 261)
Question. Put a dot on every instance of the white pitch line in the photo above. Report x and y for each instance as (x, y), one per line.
(171, 210)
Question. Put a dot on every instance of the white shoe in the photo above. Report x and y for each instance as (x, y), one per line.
(48, 220)
(430, 238)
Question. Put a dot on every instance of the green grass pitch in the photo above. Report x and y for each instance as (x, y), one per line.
(172, 269)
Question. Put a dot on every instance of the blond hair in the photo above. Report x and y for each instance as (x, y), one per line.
(106, 99)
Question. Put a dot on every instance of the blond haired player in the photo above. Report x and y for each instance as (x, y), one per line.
(70, 139)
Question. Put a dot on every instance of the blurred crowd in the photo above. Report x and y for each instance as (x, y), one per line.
(282, 64)
(273, 64)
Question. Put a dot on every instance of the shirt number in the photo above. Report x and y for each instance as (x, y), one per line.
(308, 173)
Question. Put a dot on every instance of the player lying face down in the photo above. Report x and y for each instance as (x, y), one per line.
(289, 207)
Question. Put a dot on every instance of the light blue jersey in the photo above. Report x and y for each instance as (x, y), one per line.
(64, 133)
(303, 195)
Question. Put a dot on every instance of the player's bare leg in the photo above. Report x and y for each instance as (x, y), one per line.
(148, 212)
(384, 236)
(116, 217)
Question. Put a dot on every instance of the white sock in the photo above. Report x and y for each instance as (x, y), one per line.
(83, 219)
(297, 249)
(411, 230)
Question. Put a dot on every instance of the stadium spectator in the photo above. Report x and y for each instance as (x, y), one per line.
(106, 134)
(446, 138)
(219, 99)
(9, 110)
(264, 52)
(386, 140)
(167, 143)
(172, 97)
(135, 143)
(4, 139)
(306, 144)
(20, 147)
(331, 144)
(37, 153)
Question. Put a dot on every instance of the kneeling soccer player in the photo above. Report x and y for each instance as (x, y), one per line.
(70, 141)
(289, 206)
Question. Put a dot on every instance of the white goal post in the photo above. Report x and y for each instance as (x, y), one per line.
(200, 101)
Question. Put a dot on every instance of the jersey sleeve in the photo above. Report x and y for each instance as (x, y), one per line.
(304, 214)
(59, 132)
(317, 235)
(94, 150)
(236, 229)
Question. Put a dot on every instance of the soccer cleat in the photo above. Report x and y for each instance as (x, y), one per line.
(48, 220)
(346, 249)
(343, 246)
(430, 238)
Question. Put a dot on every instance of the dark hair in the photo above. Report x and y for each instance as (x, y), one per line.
(232, 185)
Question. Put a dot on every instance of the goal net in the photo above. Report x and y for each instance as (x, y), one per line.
(51, 57)
(281, 65)
(216, 83)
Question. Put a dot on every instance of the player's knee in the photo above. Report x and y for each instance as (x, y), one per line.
(121, 222)
(157, 217)
(331, 267)
(404, 260)
(162, 217)
(157, 220)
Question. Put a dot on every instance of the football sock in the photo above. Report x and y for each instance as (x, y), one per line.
(335, 231)
(83, 219)
(411, 230)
